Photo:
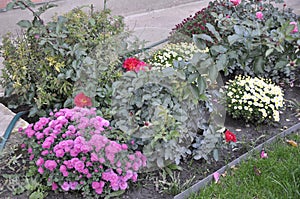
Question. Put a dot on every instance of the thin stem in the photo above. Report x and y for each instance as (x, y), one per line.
(31, 10)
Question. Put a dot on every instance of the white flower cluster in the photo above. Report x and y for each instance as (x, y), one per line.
(173, 52)
(254, 99)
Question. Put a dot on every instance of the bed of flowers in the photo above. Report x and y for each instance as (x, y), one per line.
(146, 125)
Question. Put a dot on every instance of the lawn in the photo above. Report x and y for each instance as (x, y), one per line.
(277, 176)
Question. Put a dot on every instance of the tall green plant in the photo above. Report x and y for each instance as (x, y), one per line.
(43, 67)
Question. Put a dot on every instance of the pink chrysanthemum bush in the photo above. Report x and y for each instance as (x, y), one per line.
(69, 151)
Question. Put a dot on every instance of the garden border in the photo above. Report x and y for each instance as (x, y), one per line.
(202, 183)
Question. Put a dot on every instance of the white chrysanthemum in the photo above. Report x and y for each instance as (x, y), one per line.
(229, 94)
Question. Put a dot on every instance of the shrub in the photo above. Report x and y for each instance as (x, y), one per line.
(166, 56)
(241, 43)
(166, 113)
(69, 150)
(255, 100)
(49, 62)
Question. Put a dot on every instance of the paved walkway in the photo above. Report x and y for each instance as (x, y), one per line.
(150, 20)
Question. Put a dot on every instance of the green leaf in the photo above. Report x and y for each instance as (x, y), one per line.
(199, 43)
(205, 37)
(204, 66)
(36, 195)
(233, 38)
(168, 72)
(193, 77)
(68, 102)
(201, 85)
(195, 91)
(221, 62)
(239, 30)
(216, 154)
(92, 21)
(213, 73)
(24, 24)
(281, 64)
(198, 57)
(10, 6)
(181, 75)
(115, 194)
(69, 73)
(269, 51)
(160, 162)
(21, 5)
(33, 111)
(174, 167)
(212, 29)
(259, 65)
(217, 49)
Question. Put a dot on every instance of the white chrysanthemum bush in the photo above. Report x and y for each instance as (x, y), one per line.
(173, 52)
(255, 100)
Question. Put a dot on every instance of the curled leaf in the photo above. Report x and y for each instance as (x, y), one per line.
(292, 143)
(224, 174)
(256, 171)
(233, 167)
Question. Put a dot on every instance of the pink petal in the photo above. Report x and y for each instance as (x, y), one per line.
(216, 176)
(263, 154)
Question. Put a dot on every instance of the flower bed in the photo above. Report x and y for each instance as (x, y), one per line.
(168, 109)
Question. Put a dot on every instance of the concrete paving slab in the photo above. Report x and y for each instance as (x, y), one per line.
(6, 116)
(156, 25)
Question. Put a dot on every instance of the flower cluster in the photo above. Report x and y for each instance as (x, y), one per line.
(259, 15)
(71, 152)
(173, 52)
(195, 24)
(134, 64)
(254, 99)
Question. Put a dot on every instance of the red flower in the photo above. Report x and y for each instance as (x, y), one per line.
(133, 64)
(81, 100)
(229, 136)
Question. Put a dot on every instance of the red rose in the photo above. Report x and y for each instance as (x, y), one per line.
(229, 136)
(82, 100)
(133, 64)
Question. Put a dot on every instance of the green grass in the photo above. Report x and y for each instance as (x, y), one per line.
(279, 176)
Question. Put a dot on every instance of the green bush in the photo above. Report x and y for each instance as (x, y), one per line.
(168, 113)
(240, 43)
(48, 63)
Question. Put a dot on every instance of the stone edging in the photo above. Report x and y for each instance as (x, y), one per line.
(196, 187)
